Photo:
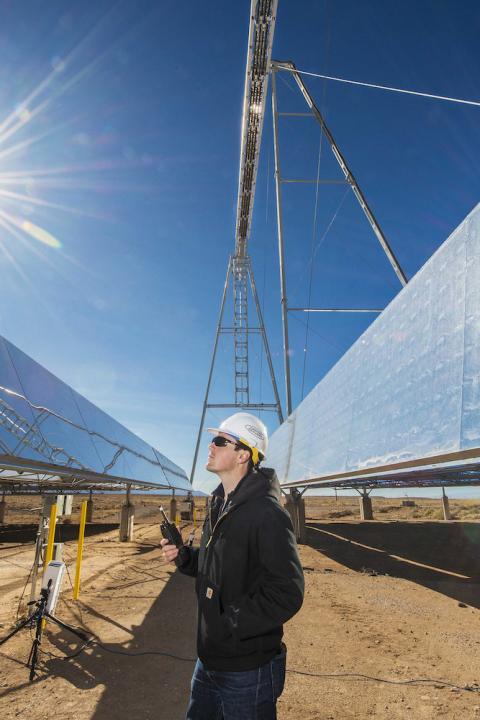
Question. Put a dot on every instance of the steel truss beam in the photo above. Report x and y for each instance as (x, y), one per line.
(460, 468)
(20, 474)
(30, 435)
(260, 39)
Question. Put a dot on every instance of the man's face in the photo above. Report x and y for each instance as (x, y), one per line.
(222, 459)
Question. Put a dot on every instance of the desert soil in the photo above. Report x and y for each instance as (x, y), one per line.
(387, 602)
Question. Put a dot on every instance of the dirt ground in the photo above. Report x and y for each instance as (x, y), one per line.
(387, 602)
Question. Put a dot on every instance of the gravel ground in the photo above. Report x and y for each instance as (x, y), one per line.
(386, 603)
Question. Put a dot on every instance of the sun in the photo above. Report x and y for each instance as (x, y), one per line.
(36, 183)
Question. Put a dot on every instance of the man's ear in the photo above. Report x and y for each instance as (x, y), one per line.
(243, 456)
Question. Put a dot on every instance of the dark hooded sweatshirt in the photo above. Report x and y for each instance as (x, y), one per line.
(249, 579)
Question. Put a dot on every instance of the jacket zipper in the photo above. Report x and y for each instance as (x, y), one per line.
(223, 515)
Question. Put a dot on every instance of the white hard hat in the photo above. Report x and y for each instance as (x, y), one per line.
(248, 430)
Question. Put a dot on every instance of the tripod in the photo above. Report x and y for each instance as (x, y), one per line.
(37, 618)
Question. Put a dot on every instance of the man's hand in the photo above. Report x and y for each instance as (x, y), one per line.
(170, 552)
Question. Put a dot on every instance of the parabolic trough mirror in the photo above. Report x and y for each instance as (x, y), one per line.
(406, 395)
(51, 437)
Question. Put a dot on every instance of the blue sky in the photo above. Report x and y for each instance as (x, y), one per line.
(118, 180)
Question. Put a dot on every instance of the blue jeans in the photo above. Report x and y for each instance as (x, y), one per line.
(245, 695)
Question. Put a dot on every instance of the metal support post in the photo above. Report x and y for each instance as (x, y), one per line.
(366, 511)
(295, 506)
(446, 506)
(89, 515)
(39, 544)
(127, 518)
(173, 506)
(81, 536)
(52, 523)
(286, 350)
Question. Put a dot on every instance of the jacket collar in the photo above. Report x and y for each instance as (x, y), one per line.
(257, 483)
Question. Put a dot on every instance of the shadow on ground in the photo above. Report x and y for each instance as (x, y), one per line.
(145, 685)
(432, 554)
(22, 533)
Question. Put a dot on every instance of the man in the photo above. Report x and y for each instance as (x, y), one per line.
(249, 581)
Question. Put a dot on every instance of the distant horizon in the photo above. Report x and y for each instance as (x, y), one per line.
(399, 494)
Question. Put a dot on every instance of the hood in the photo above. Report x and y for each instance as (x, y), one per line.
(258, 483)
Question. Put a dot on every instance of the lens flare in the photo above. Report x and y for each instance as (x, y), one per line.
(40, 234)
(42, 171)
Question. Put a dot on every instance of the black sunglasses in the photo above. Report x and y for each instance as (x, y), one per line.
(220, 441)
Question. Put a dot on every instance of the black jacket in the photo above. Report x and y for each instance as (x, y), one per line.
(249, 577)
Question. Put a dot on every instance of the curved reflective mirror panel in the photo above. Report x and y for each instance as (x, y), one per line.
(49, 434)
(409, 387)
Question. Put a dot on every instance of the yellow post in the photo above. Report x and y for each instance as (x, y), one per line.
(81, 535)
(177, 519)
(51, 535)
(194, 515)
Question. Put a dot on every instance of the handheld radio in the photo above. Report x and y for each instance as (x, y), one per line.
(171, 533)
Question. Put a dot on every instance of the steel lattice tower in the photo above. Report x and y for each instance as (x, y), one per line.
(239, 271)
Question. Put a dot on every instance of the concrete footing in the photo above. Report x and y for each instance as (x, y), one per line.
(127, 516)
(446, 508)
(295, 506)
(186, 508)
(89, 516)
(366, 511)
(3, 511)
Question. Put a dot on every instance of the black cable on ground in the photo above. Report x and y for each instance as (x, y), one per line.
(413, 681)
(66, 656)
(143, 652)
(92, 642)
(355, 676)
